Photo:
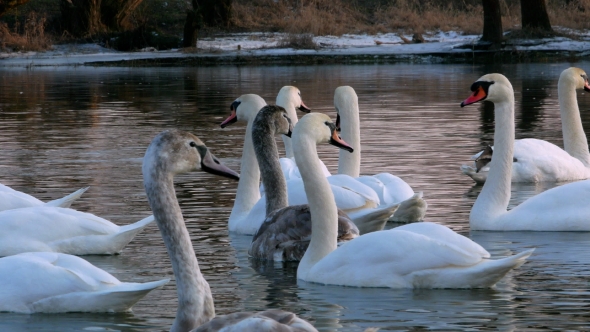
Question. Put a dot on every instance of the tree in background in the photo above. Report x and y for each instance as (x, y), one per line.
(91, 17)
(534, 17)
(209, 13)
(492, 22)
(6, 5)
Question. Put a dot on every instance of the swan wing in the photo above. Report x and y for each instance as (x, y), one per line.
(37, 228)
(563, 208)
(346, 198)
(30, 277)
(13, 199)
(265, 321)
(385, 258)
(291, 171)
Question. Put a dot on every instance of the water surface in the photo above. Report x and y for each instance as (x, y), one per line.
(65, 128)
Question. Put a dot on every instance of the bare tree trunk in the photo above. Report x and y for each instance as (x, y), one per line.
(214, 13)
(492, 22)
(191, 29)
(534, 16)
(7, 5)
(91, 17)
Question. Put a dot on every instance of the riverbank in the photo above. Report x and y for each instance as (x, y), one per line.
(267, 49)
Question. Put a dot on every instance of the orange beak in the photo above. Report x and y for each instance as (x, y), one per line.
(477, 95)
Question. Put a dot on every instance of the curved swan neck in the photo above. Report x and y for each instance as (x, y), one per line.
(346, 101)
(247, 193)
(195, 303)
(574, 138)
(324, 214)
(495, 195)
(286, 102)
(267, 154)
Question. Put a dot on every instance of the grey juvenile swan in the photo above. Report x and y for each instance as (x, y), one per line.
(173, 152)
(285, 233)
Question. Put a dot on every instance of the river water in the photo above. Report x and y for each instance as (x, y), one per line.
(66, 128)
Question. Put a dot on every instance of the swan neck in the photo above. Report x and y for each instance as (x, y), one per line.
(195, 303)
(247, 193)
(288, 105)
(574, 138)
(350, 163)
(267, 154)
(324, 214)
(495, 195)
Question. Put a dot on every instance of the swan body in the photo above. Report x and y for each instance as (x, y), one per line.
(68, 231)
(13, 199)
(390, 188)
(50, 282)
(174, 152)
(564, 208)
(537, 160)
(420, 255)
(284, 234)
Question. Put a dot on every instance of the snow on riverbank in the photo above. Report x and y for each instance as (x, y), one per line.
(254, 45)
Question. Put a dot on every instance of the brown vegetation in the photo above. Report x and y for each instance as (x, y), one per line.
(30, 37)
(335, 17)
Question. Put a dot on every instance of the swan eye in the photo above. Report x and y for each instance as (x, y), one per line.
(193, 144)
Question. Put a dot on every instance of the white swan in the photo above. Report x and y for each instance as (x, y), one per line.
(289, 98)
(284, 234)
(55, 229)
(51, 282)
(173, 152)
(356, 199)
(536, 160)
(390, 188)
(419, 255)
(13, 199)
(564, 208)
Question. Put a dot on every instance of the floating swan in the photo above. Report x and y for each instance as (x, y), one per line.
(55, 229)
(356, 199)
(419, 255)
(173, 152)
(13, 199)
(390, 188)
(51, 282)
(284, 234)
(536, 160)
(563, 208)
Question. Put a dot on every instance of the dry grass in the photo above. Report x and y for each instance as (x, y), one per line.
(318, 17)
(575, 15)
(325, 17)
(298, 41)
(30, 37)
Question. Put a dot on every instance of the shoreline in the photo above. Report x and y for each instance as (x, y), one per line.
(264, 49)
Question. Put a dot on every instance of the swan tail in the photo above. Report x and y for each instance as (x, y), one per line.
(482, 275)
(65, 202)
(372, 220)
(126, 233)
(411, 210)
(117, 298)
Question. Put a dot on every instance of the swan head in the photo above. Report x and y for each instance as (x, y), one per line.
(576, 77)
(274, 119)
(492, 87)
(344, 97)
(244, 109)
(291, 95)
(175, 152)
(319, 127)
